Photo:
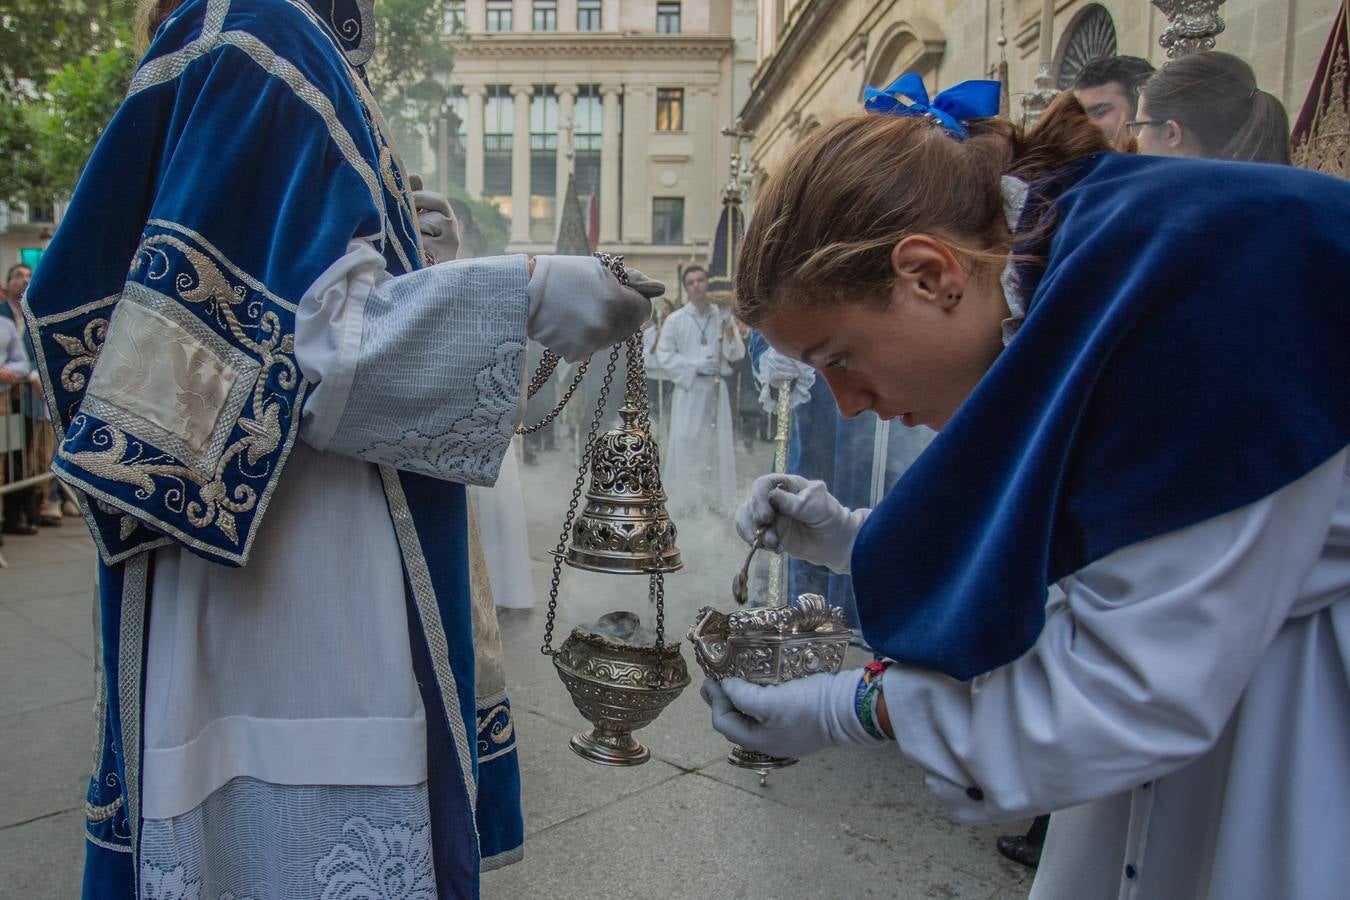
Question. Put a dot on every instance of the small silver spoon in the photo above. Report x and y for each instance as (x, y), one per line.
(740, 585)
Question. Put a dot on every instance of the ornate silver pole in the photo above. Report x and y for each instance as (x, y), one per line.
(1035, 101)
(1192, 25)
(783, 411)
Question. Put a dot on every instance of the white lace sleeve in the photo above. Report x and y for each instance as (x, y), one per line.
(424, 370)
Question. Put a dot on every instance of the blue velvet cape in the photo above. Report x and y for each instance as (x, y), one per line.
(1185, 353)
(246, 157)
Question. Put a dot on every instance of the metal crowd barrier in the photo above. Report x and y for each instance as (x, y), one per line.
(26, 441)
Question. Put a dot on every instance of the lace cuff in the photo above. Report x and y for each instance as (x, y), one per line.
(435, 385)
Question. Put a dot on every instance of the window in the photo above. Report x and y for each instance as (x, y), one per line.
(454, 17)
(670, 109)
(545, 15)
(588, 15)
(543, 162)
(667, 18)
(498, 124)
(587, 123)
(667, 220)
(456, 120)
(498, 15)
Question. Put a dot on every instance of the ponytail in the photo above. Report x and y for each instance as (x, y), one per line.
(1264, 137)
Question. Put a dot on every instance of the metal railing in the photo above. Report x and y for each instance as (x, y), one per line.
(26, 441)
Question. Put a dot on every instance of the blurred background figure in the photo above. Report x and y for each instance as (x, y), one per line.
(1108, 88)
(1208, 105)
(698, 344)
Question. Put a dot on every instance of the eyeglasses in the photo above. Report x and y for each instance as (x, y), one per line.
(1140, 124)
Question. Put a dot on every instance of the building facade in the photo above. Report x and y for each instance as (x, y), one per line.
(632, 95)
(816, 56)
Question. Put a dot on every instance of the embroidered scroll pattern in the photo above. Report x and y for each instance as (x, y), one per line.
(205, 497)
(496, 732)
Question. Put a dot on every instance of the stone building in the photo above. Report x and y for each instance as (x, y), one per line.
(816, 56)
(634, 94)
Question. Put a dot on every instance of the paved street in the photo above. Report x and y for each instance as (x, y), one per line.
(843, 824)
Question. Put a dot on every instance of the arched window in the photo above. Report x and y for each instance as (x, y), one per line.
(1091, 35)
(915, 45)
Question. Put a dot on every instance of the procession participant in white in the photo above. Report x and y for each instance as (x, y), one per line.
(271, 408)
(698, 343)
(1144, 404)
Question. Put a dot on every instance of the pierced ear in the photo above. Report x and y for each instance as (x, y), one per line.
(927, 269)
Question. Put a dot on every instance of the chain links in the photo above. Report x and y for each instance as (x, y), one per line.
(547, 364)
(561, 550)
(557, 410)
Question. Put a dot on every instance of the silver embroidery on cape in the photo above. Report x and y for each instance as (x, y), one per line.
(429, 616)
(130, 663)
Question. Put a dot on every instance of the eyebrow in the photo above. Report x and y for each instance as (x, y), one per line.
(1098, 109)
(809, 351)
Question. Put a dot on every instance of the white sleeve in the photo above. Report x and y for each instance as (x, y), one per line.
(1136, 672)
(422, 371)
(734, 349)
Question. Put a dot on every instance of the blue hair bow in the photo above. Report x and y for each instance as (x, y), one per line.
(906, 96)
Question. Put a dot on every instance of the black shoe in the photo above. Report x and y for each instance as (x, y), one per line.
(1017, 848)
(18, 527)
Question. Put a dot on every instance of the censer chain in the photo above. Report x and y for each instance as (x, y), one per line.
(547, 364)
(567, 395)
(561, 550)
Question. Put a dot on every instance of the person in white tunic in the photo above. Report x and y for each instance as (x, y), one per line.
(1117, 584)
(697, 345)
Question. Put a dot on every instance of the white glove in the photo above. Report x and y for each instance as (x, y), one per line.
(796, 718)
(777, 369)
(436, 221)
(804, 520)
(709, 367)
(577, 306)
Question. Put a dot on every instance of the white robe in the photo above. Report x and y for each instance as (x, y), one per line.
(284, 690)
(1187, 706)
(501, 529)
(700, 468)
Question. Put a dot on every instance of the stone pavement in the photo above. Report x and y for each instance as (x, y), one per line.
(684, 825)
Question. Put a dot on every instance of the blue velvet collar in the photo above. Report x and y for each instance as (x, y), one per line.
(1183, 355)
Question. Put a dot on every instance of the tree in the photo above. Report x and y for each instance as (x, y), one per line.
(412, 60)
(39, 41)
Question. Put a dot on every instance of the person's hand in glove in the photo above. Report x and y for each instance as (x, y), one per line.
(796, 718)
(804, 520)
(437, 224)
(577, 306)
(709, 367)
(776, 370)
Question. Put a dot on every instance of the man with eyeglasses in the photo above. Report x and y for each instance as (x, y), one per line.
(1108, 88)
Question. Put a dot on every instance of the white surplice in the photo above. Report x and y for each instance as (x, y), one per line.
(1187, 707)
(501, 528)
(700, 468)
(284, 691)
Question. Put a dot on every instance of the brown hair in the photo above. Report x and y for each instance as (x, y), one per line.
(150, 14)
(1214, 96)
(824, 225)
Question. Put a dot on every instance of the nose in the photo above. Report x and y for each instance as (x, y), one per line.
(852, 400)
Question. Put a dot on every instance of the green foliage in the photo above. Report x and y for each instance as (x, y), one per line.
(84, 96)
(412, 58)
(49, 120)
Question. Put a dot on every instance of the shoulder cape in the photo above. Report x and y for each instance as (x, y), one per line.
(1184, 354)
(246, 157)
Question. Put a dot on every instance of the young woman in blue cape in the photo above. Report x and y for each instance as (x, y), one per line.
(1142, 393)
(271, 407)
